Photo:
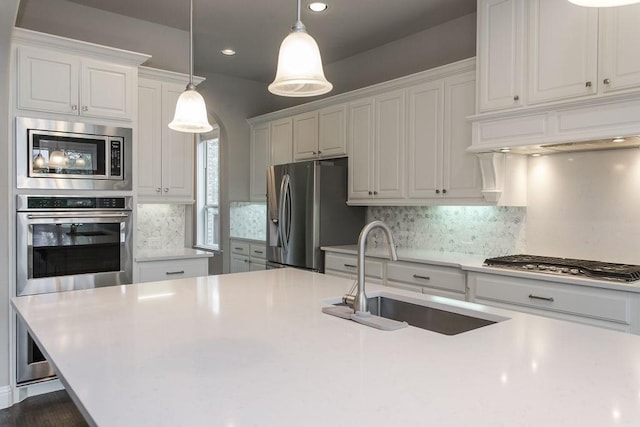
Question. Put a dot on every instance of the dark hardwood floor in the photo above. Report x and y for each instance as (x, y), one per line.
(46, 410)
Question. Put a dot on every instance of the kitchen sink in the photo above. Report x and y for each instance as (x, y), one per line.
(426, 317)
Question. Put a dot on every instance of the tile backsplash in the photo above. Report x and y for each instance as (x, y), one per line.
(248, 220)
(481, 230)
(160, 226)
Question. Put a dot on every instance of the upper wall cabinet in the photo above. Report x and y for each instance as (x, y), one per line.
(320, 134)
(563, 50)
(259, 153)
(439, 166)
(500, 48)
(376, 157)
(582, 79)
(281, 141)
(74, 78)
(165, 157)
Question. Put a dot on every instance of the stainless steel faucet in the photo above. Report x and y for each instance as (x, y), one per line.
(360, 300)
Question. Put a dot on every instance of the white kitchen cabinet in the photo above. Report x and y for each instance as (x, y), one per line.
(429, 279)
(320, 134)
(345, 265)
(606, 308)
(259, 153)
(377, 129)
(165, 157)
(500, 54)
(563, 51)
(281, 140)
(619, 36)
(305, 136)
(247, 256)
(439, 166)
(152, 271)
(57, 82)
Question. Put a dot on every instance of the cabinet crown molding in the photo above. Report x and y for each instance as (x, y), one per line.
(96, 51)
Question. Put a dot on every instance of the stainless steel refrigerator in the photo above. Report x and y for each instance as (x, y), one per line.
(306, 209)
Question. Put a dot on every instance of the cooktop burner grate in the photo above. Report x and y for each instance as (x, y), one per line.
(579, 267)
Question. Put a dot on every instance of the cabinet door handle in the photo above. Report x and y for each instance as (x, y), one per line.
(550, 299)
(85, 108)
(371, 193)
(417, 276)
(349, 265)
(238, 249)
(169, 273)
(437, 191)
(375, 193)
(246, 260)
(319, 152)
(257, 252)
(516, 98)
(587, 84)
(74, 107)
(166, 190)
(444, 191)
(157, 189)
(606, 81)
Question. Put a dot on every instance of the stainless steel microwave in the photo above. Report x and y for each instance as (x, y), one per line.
(76, 156)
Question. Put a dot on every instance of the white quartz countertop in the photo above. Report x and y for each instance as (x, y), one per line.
(167, 254)
(474, 263)
(254, 349)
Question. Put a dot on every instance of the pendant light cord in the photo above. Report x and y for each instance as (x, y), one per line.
(190, 85)
(298, 26)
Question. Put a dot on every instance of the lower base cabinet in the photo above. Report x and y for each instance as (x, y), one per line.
(344, 265)
(152, 271)
(607, 308)
(429, 279)
(247, 256)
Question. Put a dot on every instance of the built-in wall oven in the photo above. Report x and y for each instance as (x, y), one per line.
(67, 243)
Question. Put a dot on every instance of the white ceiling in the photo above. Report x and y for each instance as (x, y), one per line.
(255, 28)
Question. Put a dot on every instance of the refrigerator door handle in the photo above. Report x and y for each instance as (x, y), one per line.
(282, 217)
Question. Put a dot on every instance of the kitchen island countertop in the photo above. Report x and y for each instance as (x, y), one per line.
(254, 349)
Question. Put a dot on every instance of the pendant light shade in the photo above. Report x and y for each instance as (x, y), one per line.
(603, 3)
(299, 70)
(191, 110)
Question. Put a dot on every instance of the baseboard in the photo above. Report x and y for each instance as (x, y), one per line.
(35, 389)
(6, 398)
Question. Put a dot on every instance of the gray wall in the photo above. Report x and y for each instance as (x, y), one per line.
(8, 11)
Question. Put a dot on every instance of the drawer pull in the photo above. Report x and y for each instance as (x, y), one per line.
(550, 299)
(350, 265)
(169, 273)
(239, 249)
(417, 276)
(257, 252)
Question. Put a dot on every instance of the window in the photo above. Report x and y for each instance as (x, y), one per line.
(208, 191)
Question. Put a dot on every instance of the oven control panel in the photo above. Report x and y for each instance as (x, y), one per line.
(73, 203)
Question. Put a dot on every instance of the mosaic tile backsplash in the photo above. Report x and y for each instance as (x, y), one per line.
(248, 220)
(160, 226)
(479, 230)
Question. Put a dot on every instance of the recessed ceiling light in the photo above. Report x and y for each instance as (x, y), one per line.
(317, 6)
(505, 150)
(535, 155)
(228, 52)
(618, 139)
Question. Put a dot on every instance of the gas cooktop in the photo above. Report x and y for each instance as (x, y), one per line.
(568, 266)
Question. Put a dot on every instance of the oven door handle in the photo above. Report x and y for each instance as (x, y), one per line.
(77, 215)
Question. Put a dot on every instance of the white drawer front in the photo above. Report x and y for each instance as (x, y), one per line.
(240, 247)
(258, 250)
(173, 269)
(348, 264)
(432, 276)
(583, 301)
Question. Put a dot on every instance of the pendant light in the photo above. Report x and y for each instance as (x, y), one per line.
(603, 3)
(299, 70)
(39, 162)
(191, 111)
